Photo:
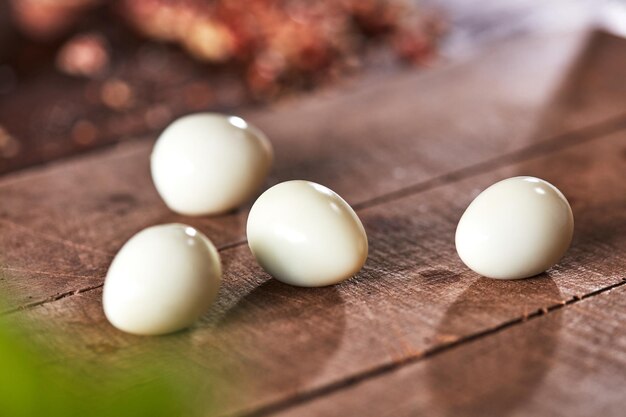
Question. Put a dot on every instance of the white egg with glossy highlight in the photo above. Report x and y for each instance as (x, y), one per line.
(209, 163)
(516, 228)
(162, 280)
(304, 234)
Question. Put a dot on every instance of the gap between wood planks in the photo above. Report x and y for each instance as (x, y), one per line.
(556, 143)
(51, 299)
(355, 379)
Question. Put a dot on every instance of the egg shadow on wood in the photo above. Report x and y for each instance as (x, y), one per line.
(283, 334)
(400, 244)
(495, 374)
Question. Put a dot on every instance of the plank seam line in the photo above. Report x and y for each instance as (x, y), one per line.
(358, 378)
(70, 293)
(551, 145)
(554, 144)
(52, 298)
(579, 136)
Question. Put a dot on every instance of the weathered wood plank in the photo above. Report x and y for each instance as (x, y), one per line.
(571, 362)
(421, 127)
(278, 341)
(33, 264)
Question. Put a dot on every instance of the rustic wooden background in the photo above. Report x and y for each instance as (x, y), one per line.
(415, 332)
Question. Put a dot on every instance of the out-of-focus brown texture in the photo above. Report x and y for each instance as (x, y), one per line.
(85, 54)
(285, 42)
(98, 78)
(48, 19)
(76, 74)
(277, 44)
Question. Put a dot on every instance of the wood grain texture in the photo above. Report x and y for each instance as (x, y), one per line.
(271, 345)
(408, 137)
(569, 362)
(412, 297)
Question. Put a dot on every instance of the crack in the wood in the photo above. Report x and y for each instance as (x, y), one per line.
(70, 293)
(386, 368)
(232, 245)
(52, 298)
(553, 144)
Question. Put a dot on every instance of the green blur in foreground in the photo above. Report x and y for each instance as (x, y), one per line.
(27, 388)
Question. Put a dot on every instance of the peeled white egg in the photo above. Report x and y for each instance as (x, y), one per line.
(304, 234)
(208, 163)
(162, 280)
(516, 228)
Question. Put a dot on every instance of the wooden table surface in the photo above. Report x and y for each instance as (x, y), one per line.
(415, 332)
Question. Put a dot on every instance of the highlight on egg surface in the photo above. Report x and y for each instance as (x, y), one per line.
(162, 280)
(304, 234)
(516, 228)
(209, 163)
